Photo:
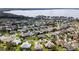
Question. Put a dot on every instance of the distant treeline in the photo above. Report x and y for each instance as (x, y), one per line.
(38, 17)
(13, 16)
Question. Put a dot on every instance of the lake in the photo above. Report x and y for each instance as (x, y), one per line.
(53, 12)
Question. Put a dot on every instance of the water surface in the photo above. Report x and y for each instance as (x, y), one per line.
(55, 12)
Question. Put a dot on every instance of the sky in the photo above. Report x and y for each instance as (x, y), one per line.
(54, 12)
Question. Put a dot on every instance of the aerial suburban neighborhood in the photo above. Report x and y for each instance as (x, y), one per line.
(39, 33)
